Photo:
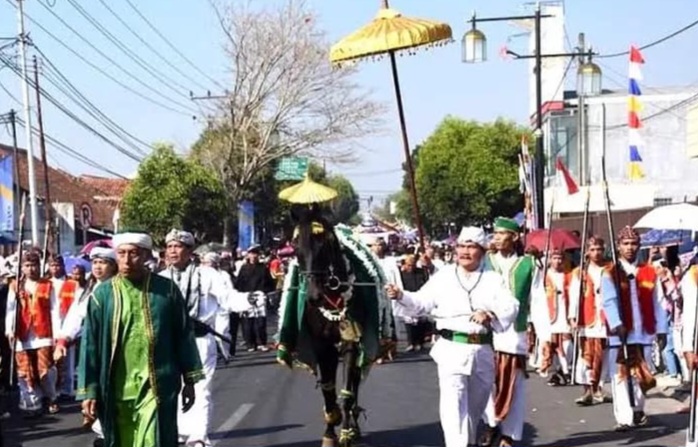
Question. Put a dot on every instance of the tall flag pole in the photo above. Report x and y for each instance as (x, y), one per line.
(635, 106)
(526, 184)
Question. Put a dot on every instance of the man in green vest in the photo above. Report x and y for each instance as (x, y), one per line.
(137, 348)
(506, 409)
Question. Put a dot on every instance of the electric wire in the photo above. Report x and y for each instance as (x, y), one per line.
(72, 115)
(164, 79)
(112, 61)
(654, 43)
(116, 64)
(173, 47)
(146, 44)
(101, 70)
(52, 69)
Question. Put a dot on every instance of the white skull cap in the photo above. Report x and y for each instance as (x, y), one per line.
(474, 235)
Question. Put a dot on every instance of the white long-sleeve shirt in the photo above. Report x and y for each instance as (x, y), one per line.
(637, 334)
(445, 297)
(214, 294)
(596, 273)
(71, 326)
(32, 342)
(689, 290)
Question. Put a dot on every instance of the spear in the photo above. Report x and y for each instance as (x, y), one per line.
(18, 285)
(614, 254)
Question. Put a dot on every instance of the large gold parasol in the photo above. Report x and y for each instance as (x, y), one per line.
(389, 33)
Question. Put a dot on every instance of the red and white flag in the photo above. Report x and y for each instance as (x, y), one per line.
(572, 187)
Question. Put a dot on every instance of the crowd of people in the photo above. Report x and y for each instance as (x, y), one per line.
(485, 308)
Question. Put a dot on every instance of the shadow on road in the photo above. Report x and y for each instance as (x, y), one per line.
(661, 425)
(250, 432)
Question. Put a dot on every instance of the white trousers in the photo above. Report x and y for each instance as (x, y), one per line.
(67, 373)
(97, 429)
(222, 326)
(194, 424)
(30, 399)
(695, 441)
(513, 423)
(462, 400)
(622, 410)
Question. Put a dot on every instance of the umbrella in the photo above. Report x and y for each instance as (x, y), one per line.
(103, 243)
(559, 239)
(656, 238)
(388, 33)
(681, 216)
(307, 192)
(71, 261)
(211, 247)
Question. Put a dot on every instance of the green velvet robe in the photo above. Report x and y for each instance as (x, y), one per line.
(173, 353)
(369, 307)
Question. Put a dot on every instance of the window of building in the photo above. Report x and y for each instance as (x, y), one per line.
(661, 201)
(562, 142)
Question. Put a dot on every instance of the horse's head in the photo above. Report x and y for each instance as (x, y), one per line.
(319, 255)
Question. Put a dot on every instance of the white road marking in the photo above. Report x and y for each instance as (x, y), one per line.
(235, 418)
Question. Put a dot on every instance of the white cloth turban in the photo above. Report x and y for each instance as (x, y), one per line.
(212, 257)
(102, 253)
(141, 240)
(183, 237)
(473, 235)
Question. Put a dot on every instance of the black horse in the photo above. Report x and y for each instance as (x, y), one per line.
(326, 272)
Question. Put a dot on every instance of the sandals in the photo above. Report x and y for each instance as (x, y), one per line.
(53, 408)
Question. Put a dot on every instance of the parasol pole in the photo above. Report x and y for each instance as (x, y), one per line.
(406, 148)
(406, 144)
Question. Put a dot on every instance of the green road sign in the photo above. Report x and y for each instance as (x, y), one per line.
(291, 168)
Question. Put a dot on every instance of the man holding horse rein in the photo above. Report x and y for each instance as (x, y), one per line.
(469, 303)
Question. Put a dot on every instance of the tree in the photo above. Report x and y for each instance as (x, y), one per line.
(285, 100)
(467, 172)
(346, 206)
(170, 191)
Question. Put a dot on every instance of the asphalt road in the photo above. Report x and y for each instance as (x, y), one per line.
(258, 403)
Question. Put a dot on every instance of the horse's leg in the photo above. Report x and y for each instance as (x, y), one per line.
(348, 394)
(328, 361)
(356, 410)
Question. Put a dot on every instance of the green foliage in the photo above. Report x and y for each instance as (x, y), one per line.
(171, 191)
(466, 173)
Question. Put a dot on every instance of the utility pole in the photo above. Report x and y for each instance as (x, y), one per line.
(48, 233)
(582, 153)
(33, 206)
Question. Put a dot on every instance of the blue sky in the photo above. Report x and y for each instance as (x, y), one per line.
(434, 82)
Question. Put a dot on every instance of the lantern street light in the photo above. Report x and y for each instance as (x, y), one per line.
(474, 46)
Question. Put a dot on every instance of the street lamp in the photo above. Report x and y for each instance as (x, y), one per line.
(474, 45)
(473, 50)
(588, 78)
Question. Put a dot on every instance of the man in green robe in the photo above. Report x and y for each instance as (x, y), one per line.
(138, 347)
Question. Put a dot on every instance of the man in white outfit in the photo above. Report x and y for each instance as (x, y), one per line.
(205, 296)
(469, 302)
(689, 289)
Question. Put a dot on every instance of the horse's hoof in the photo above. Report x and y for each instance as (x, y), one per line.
(347, 437)
(329, 442)
(333, 417)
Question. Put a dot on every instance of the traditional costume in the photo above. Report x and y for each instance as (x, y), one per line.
(637, 307)
(506, 408)
(137, 347)
(593, 328)
(205, 296)
(71, 329)
(557, 285)
(463, 354)
(36, 313)
(68, 292)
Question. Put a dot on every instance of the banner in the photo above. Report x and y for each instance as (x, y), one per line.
(7, 203)
(245, 224)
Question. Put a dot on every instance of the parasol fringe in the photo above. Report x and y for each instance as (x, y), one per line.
(413, 51)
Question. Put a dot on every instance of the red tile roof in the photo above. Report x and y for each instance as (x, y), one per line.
(112, 188)
(65, 188)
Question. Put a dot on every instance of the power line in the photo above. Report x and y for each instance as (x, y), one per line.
(173, 47)
(656, 42)
(100, 70)
(150, 47)
(71, 115)
(154, 72)
(81, 97)
(112, 61)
